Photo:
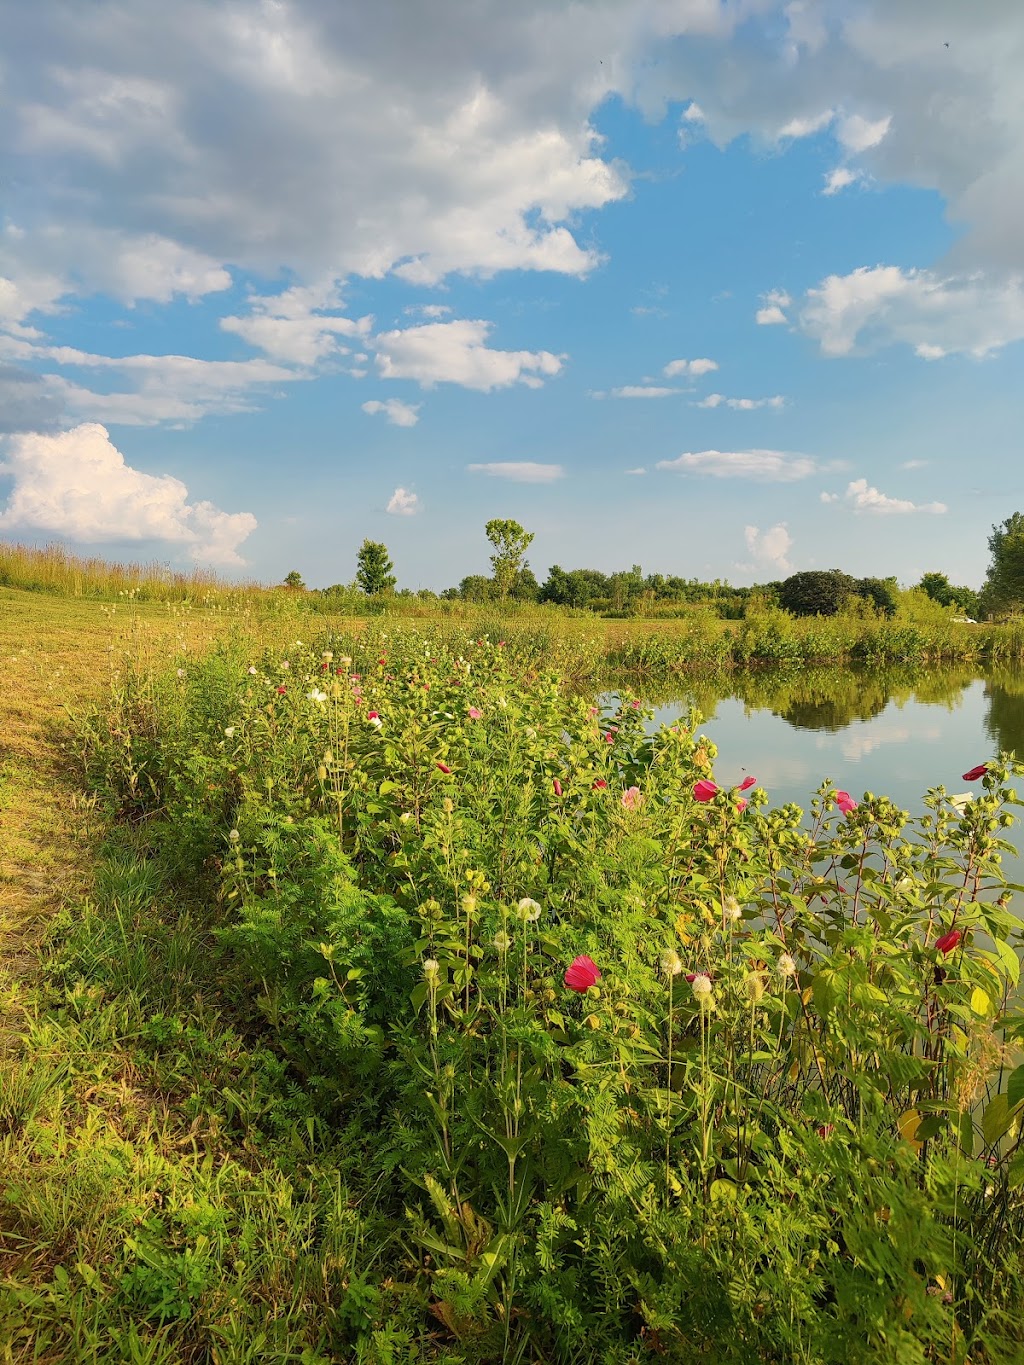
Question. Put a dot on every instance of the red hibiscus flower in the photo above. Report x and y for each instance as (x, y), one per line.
(704, 790)
(582, 973)
(948, 942)
(975, 773)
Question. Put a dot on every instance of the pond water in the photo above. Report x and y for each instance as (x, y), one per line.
(893, 732)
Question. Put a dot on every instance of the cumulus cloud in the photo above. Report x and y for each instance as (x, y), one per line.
(302, 135)
(691, 367)
(403, 503)
(42, 266)
(399, 414)
(716, 400)
(457, 353)
(77, 484)
(771, 312)
(884, 305)
(839, 179)
(520, 471)
(858, 134)
(806, 125)
(299, 326)
(860, 496)
(770, 548)
(760, 466)
(926, 93)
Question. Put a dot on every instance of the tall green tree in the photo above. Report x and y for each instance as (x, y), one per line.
(508, 561)
(816, 592)
(941, 590)
(1003, 591)
(293, 580)
(374, 568)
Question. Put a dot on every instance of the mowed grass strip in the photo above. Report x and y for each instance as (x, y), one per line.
(142, 1217)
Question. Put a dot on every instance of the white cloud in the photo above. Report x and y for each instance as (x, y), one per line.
(760, 466)
(165, 388)
(457, 353)
(403, 503)
(770, 549)
(772, 305)
(692, 367)
(52, 262)
(715, 400)
(427, 310)
(915, 464)
(399, 414)
(858, 134)
(296, 326)
(272, 134)
(927, 93)
(520, 471)
(642, 391)
(883, 305)
(806, 125)
(861, 497)
(640, 470)
(77, 484)
(839, 179)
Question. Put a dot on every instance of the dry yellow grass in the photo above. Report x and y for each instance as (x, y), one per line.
(57, 656)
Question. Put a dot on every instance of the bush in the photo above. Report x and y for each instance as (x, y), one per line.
(765, 1119)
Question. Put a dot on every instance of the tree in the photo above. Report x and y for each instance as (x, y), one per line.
(1003, 592)
(882, 593)
(293, 580)
(816, 592)
(374, 568)
(941, 590)
(510, 543)
(475, 587)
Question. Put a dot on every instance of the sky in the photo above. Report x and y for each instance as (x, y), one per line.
(723, 288)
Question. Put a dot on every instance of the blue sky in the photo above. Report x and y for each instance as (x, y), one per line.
(722, 289)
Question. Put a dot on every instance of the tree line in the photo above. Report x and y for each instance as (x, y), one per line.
(630, 592)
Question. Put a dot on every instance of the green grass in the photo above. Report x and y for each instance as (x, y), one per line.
(236, 1125)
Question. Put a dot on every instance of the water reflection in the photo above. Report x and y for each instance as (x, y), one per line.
(896, 730)
(1004, 723)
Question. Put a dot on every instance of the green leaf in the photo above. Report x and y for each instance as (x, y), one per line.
(1015, 1087)
(998, 1116)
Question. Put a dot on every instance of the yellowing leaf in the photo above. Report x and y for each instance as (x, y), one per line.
(980, 1002)
(908, 1124)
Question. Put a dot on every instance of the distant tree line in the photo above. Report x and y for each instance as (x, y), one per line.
(811, 592)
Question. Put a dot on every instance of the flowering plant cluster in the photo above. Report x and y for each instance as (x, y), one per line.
(617, 1025)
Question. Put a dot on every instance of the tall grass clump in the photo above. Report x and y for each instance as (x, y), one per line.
(54, 569)
(631, 1062)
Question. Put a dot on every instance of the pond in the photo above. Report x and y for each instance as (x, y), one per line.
(892, 732)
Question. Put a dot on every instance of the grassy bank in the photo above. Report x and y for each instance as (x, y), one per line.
(301, 1071)
(359, 893)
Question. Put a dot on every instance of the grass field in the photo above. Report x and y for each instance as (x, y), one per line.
(289, 1069)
